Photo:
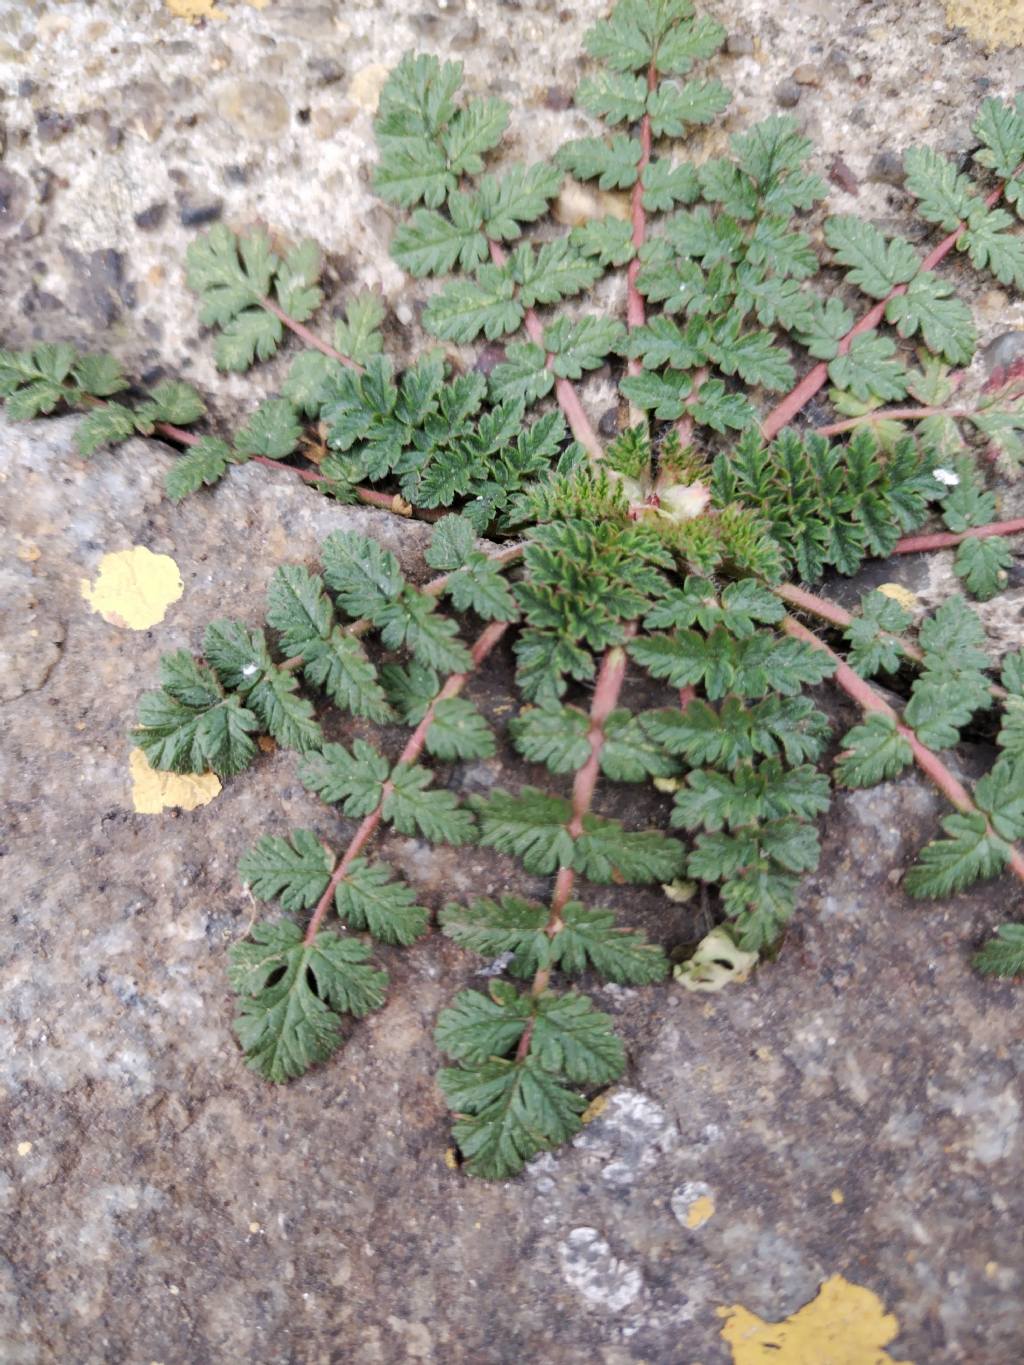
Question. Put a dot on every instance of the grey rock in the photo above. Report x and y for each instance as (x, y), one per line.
(151, 217)
(196, 213)
(1005, 350)
(739, 45)
(886, 167)
(13, 200)
(787, 94)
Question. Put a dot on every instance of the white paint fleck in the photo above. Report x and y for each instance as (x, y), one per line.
(598, 1276)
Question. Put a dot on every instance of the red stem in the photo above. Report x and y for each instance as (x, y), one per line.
(310, 338)
(568, 399)
(944, 540)
(888, 415)
(635, 311)
(783, 413)
(607, 689)
(929, 762)
(452, 687)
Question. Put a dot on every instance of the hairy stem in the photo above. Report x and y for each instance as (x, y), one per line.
(607, 689)
(926, 759)
(310, 338)
(944, 540)
(568, 399)
(635, 311)
(368, 826)
(684, 425)
(784, 412)
(889, 415)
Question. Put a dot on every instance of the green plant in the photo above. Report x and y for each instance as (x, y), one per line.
(679, 550)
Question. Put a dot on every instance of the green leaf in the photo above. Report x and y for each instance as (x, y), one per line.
(944, 196)
(990, 245)
(718, 409)
(587, 939)
(296, 282)
(410, 690)
(292, 995)
(609, 239)
(605, 852)
(509, 1111)
(309, 381)
(1001, 128)
(191, 726)
(530, 826)
(226, 283)
(613, 98)
(552, 734)
(523, 376)
(354, 780)
(412, 620)
(204, 463)
(430, 244)
(983, 563)
(733, 733)
(252, 335)
(294, 871)
(472, 131)
(663, 342)
(583, 344)
(358, 335)
(970, 853)
(574, 1040)
(614, 165)
(99, 375)
(476, 1027)
(368, 898)
(663, 395)
(688, 40)
(299, 608)
(364, 576)
(272, 430)
(459, 732)
(520, 195)
(1000, 794)
(869, 369)
(875, 265)
(555, 270)
(870, 635)
(465, 308)
(412, 169)
(102, 427)
(674, 109)
(1004, 954)
(629, 754)
(435, 814)
(830, 322)
(930, 306)
(172, 401)
(873, 752)
(666, 185)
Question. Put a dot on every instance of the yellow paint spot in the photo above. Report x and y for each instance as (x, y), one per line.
(700, 1211)
(596, 1107)
(899, 594)
(134, 588)
(153, 791)
(254, 1227)
(451, 1160)
(845, 1325)
(24, 1148)
(838, 1197)
(995, 23)
(366, 85)
(206, 9)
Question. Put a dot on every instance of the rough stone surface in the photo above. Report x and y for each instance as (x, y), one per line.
(853, 1109)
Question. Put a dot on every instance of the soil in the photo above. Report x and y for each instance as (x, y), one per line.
(854, 1109)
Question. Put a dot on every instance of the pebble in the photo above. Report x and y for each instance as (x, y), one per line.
(467, 35)
(609, 422)
(806, 74)
(13, 199)
(194, 213)
(366, 85)
(1003, 351)
(787, 94)
(886, 168)
(739, 45)
(51, 127)
(258, 110)
(151, 217)
(491, 356)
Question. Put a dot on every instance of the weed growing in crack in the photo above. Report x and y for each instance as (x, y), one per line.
(685, 550)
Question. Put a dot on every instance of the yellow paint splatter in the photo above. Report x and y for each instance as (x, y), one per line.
(700, 1211)
(206, 9)
(596, 1106)
(254, 1228)
(996, 23)
(451, 1159)
(24, 1148)
(845, 1325)
(134, 588)
(153, 791)
(899, 594)
(838, 1197)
